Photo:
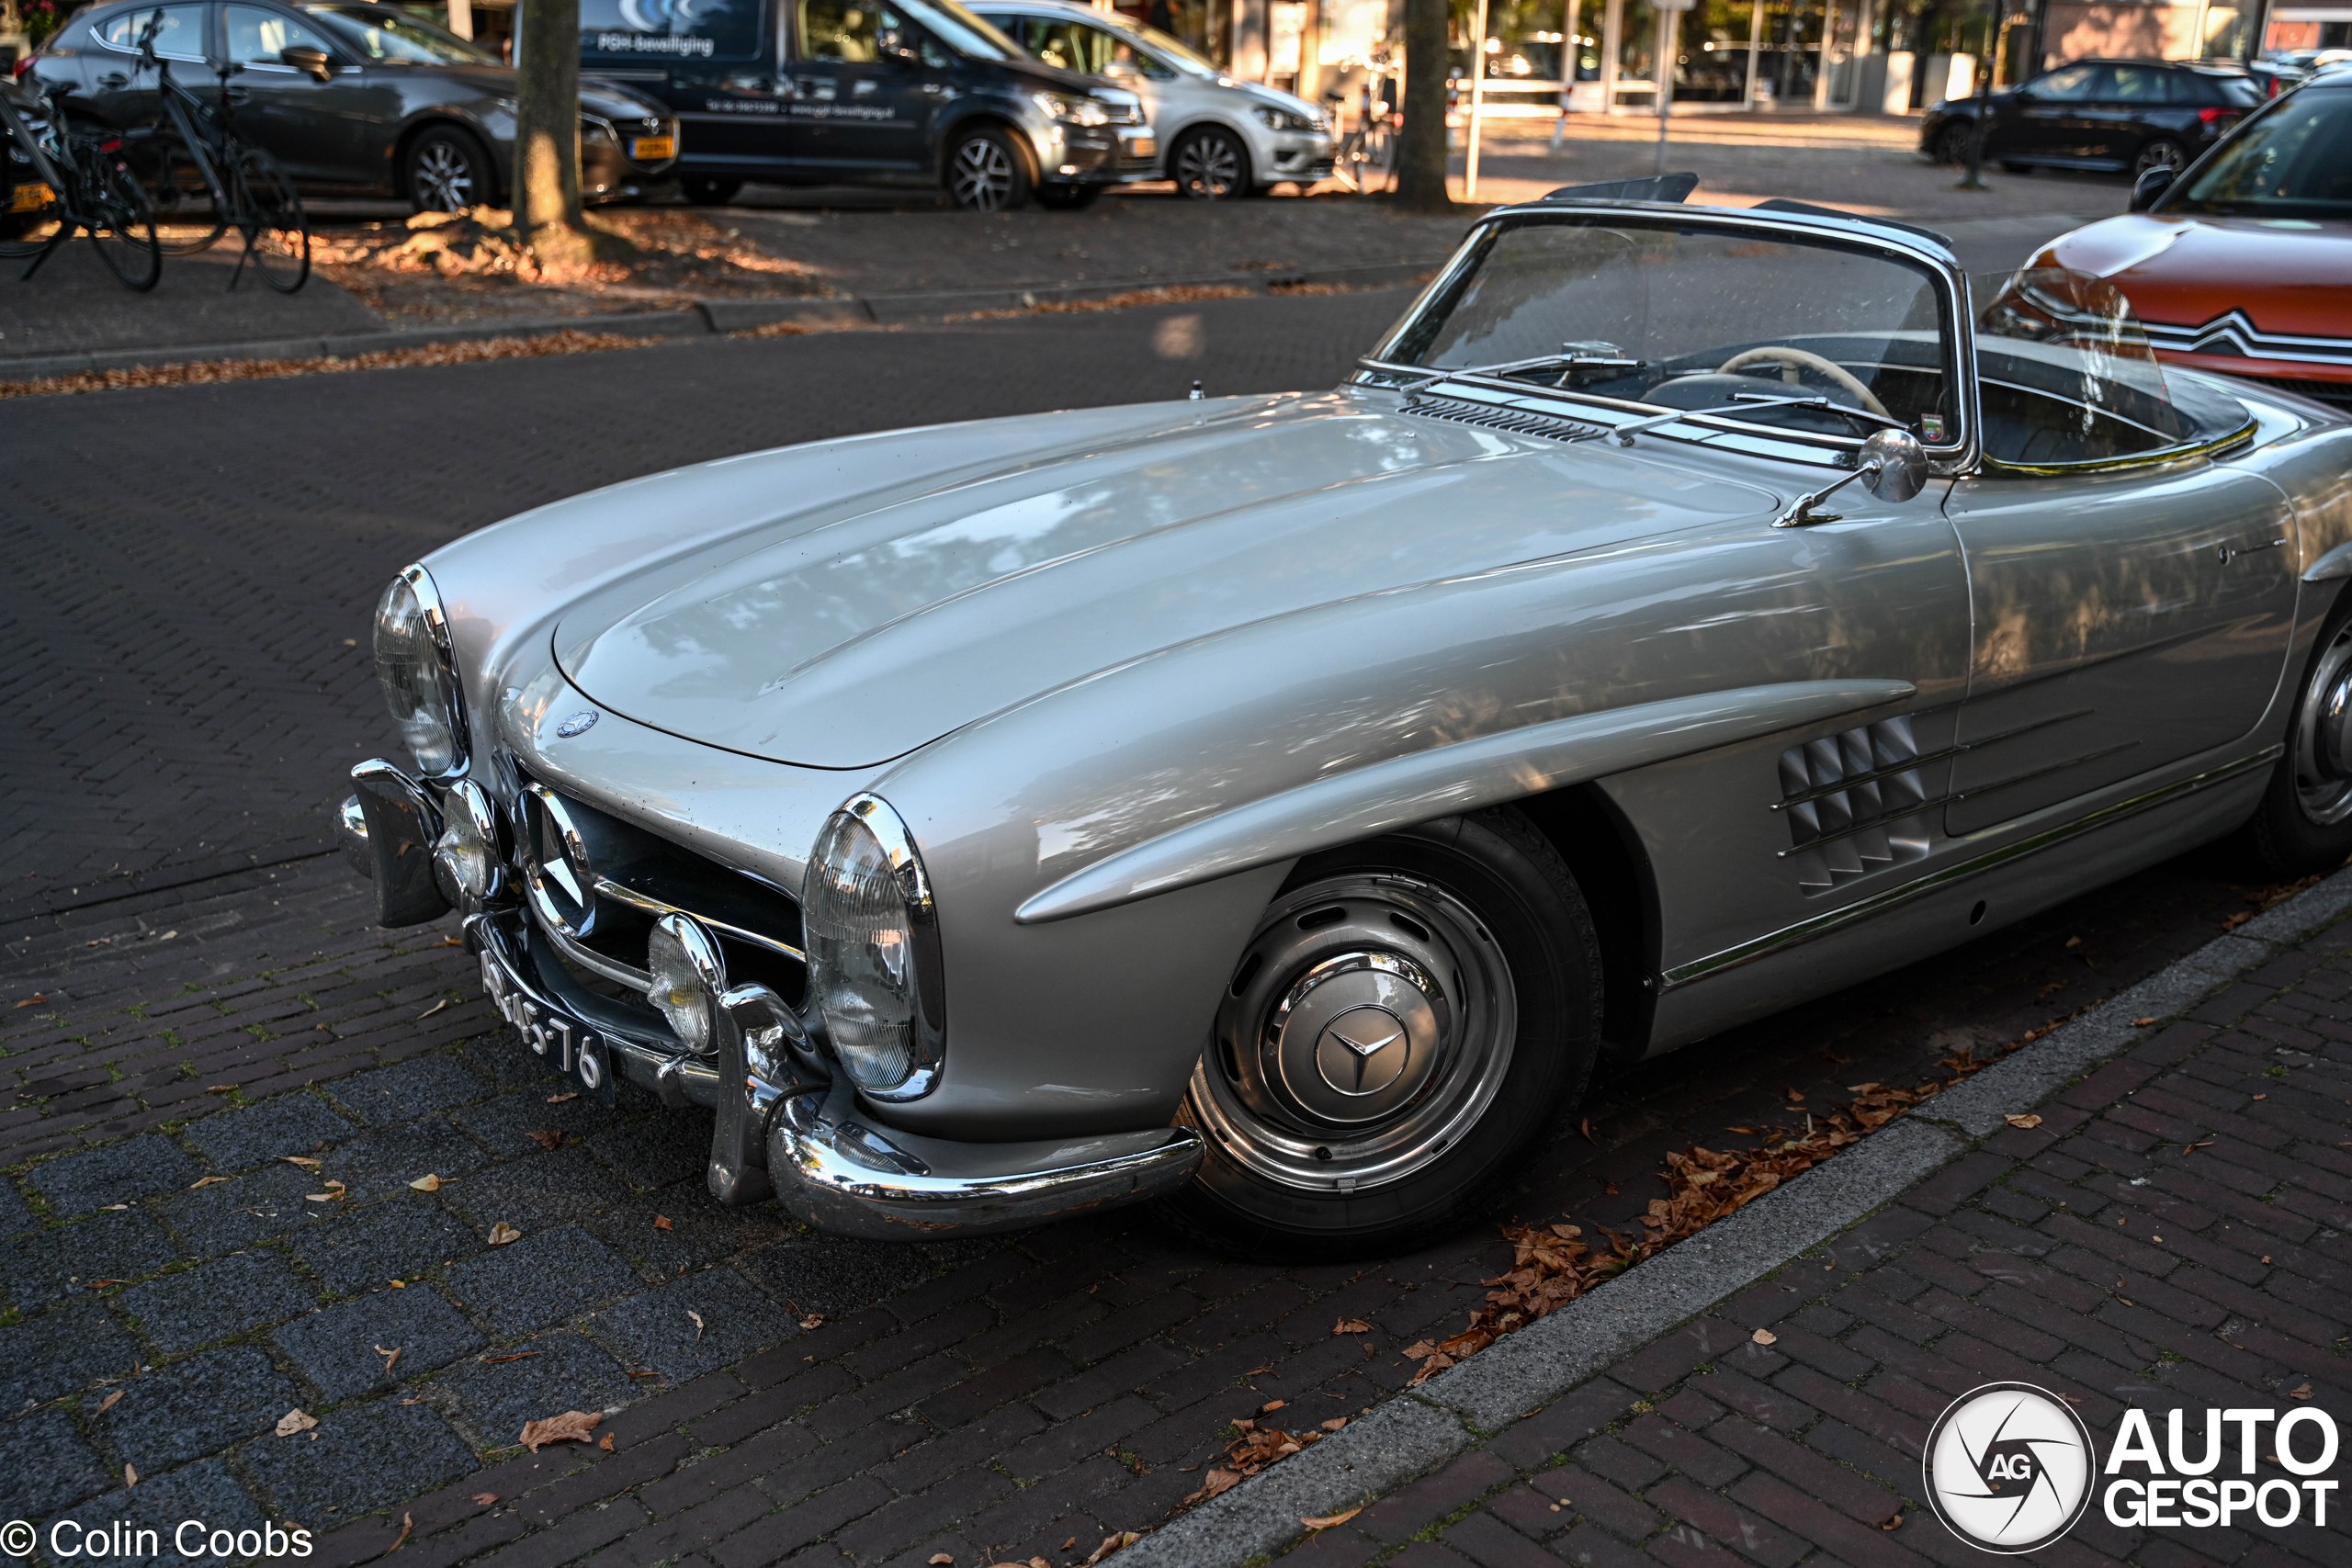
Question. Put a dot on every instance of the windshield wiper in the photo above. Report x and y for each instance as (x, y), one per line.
(1742, 402)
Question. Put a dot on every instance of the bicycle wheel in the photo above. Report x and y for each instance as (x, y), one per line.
(116, 217)
(29, 208)
(188, 219)
(270, 216)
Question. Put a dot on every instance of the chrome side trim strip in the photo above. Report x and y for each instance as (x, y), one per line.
(1829, 921)
(1894, 769)
(620, 893)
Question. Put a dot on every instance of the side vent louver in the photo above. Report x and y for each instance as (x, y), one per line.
(1494, 416)
(1855, 804)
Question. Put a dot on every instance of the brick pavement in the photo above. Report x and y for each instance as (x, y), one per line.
(2171, 1236)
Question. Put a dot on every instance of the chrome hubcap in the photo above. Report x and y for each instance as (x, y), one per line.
(982, 176)
(444, 179)
(1368, 1026)
(2324, 735)
(1208, 168)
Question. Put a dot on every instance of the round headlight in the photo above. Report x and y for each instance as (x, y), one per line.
(859, 905)
(412, 667)
(687, 979)
(465, 858)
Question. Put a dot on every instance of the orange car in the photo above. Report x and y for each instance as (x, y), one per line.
(2243, 264)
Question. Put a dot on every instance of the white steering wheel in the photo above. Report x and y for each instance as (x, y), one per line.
(1836, 372)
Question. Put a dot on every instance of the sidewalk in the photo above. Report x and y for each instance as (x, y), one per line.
(2165, 1230)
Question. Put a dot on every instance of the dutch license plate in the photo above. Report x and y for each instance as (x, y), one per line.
(566, 1043)
(647, 148)
(32, 198)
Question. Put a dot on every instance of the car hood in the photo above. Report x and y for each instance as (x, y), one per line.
(852, 633)
(2180, 270)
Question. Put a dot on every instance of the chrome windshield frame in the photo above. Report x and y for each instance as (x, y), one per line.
(1955, 308)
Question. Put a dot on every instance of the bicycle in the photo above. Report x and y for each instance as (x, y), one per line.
(196, 155)
(73, 181)
(1364, 156)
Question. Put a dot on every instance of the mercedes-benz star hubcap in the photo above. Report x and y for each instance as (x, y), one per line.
(2324, 735)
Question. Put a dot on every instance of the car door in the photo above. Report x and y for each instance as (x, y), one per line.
(325, 133)
(718, 64)
(2117, 121)
(2123, 621)
(866, 84)
(122, 90)
(2042, 118)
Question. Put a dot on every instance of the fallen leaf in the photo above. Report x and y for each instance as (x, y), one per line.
(1335, 1422)
(446, 941)
(516, 1356)
(2141, 1022)
(2073, 941)
(1351, 1326)
(101, 1284)
(485, 1499)
(1764, 1337)
(129, 1477)
(607, 1444)
(1270, 1408)
(1111, 1543)
(437, 1007)
(1330, 1522)
(428, 1182)
(662, 1222)
(571, 1426)
(305, 1161)
(113, 1208)
(1893, 1521)
(815, 1320)
(1217, 1481)
(547, 1138)
(391, 1357)
(408, 1523)
(33, 1001)
(110, 1402)
(295, 1421)
(1070, 1544)
(209, 1180)
(559, 1098)
(400, 1285)
(940, 1560)
(501, 1233)
(1796, 1094)
(2262, 1096)
(1244, 1424)
(1750, 1131)
(2027, 1120)
(1585, 1126)
(698, 1317)
(2302, 1393)
(221, 1088)
(2266, 1258)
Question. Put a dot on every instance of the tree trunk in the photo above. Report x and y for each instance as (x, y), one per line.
(547, 138)
(1421, 152)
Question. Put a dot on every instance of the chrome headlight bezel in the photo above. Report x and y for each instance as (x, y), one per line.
(469, 858)
(416, 671)
(913, 998)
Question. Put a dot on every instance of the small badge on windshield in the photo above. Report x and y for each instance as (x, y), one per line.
(1931, 427)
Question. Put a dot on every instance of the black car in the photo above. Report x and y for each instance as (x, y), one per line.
(2128, 115)
(400, 108)
(861, 92)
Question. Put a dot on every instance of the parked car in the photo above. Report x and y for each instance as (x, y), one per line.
(2244, 263)
(2131, 115)
(1278, 804)
(397, 107)
(918, 93)
(1214, 136)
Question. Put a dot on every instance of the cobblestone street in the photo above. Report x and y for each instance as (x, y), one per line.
(222, 1088)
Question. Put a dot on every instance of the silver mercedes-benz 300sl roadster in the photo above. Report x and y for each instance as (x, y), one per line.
(1276, 805)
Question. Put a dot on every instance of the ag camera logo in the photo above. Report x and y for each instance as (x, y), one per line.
(2009, 1467)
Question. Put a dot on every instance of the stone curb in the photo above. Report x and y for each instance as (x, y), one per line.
(707, 317)
(1413, 1432)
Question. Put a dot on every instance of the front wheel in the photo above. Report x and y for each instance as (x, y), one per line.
(985, 172)
(1211, 165)
(444, 170)
(2304, 823)
(1952, 143)
(1411, 1015)
(270, 216)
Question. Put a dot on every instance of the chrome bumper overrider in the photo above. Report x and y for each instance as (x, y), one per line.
(786, 1128)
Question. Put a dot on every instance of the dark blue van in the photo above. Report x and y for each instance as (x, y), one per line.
(860, 92)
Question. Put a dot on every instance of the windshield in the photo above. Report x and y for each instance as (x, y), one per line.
(1685, 316)
(2293, 163)
(394, 37)
(961, 31)
(2066, 374)
(1175, 51)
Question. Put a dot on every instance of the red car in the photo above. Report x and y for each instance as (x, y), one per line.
(2242, 263)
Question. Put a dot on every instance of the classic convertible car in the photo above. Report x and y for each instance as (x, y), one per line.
(1275, 806)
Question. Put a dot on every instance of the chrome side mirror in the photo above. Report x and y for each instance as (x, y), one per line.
(308, 59)
(2151, 185)
(1891, 464)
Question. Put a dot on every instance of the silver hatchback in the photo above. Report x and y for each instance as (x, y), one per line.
(1216, 137)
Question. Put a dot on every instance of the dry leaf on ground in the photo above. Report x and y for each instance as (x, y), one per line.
(939, 1560)
(571, 1426)
(305, 1161)
(428, 1182)
(110, 1402)
(1270, 1408)
(1335, 1422)
(501, 1233)
(2027, 1120)
(1893, 1521)
(1330, 1522)
(2302, 1393)
(2141, 1022)
(546, 1137)
(129, 1477)
(295, 1421)
(1765, 1336)
(662, 1222)
(408, 1523)
(559, 1098)
(391, 1357)
(485, 1499)
(1351, 1326)
(1111, 1543)
(1218, 1480)
(698, 1317)
(516, 1356)
(815, 1320)
(222, 1089)
(205, 1182)
(607, 1443)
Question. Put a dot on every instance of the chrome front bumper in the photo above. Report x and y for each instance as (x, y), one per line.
(785, 1128)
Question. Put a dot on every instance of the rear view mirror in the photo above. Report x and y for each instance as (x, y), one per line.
(892, 44)
(308, 59)
(2151, 185)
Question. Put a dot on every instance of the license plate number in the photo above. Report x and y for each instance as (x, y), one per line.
(647, 148)
(32, 198)
(566, 1043)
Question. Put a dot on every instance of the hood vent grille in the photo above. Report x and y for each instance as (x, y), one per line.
(1494, 416)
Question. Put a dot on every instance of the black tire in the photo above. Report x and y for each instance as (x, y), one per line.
(276, 230)
(123, 228)
(986, 173)
(2304, 823)
(1476, 959)
(446, 170)
(1951, 142)
(708, 190)
(1210, 165)
(2159, 153)
(181, 195)
(1067, 198)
